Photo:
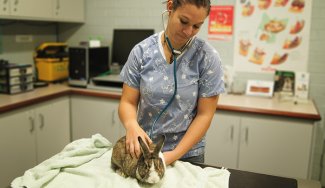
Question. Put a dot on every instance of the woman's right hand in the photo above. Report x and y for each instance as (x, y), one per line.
(132, 143)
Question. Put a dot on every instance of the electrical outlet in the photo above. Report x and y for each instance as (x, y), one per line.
(24, 38)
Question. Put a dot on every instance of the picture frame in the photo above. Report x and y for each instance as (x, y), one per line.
(259, 88)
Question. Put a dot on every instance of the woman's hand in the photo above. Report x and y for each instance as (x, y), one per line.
(169, 157)
(132, 143)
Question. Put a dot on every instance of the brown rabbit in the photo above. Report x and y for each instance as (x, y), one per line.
(148, 168)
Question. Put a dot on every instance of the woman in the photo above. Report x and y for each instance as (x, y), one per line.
(148, 77)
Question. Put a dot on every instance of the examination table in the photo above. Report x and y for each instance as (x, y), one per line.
(244, 179)
(86, 163)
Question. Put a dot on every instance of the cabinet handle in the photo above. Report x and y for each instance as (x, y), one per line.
(246, 135)
(113, 117)
(5, 1)
(41, 118)
(32, 124)
(232, 132)
(16, 2)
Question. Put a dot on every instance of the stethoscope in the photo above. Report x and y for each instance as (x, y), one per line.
(175, 53)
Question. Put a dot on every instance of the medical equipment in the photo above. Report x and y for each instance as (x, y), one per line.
(174, 54)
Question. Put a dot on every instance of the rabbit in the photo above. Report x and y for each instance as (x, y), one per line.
(149, 168)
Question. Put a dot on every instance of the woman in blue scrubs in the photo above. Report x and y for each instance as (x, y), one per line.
(149, 84)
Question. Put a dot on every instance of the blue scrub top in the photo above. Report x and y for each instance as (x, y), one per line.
(199, 74)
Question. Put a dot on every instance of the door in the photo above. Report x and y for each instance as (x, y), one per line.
(72, 10)
(53, 127)
(91, 115)
(17, 145)
(31, 8)
(4, 8)
(222, 140)
(276, 147)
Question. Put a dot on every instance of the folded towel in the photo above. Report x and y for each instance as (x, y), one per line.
(96, 171)
(74, 154)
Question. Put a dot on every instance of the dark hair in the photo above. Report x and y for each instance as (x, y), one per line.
(199, 3)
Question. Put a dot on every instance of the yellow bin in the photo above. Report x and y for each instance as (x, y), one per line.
(52, 62)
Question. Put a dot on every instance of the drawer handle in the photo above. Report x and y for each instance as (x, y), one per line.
(41, 118)
(232, 133)
(246, 135)
(31, 120)
(113, 117)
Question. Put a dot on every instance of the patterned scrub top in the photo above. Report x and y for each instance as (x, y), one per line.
(199, 74)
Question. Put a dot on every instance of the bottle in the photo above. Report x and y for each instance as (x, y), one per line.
(115, 68)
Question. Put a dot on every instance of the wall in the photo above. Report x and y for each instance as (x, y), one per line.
(22, 53)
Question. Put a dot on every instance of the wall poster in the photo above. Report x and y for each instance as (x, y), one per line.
(271, 35)
(221, 23)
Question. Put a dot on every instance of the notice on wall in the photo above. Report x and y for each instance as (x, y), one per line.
(221, 23)
(272, 35)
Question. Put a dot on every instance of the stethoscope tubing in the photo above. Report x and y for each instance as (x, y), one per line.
(175, 78)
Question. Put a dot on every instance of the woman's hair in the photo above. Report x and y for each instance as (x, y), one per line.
(199, 3)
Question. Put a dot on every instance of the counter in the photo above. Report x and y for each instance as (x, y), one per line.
(236, 103)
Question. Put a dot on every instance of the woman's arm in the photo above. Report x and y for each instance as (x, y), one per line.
(198, 128)
(128, 116)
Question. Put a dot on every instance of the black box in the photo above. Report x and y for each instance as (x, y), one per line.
(86, 63)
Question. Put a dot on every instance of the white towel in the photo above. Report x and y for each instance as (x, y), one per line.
(74, 154)
(96, 172)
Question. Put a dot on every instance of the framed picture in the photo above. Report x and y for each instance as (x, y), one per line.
(259, 88)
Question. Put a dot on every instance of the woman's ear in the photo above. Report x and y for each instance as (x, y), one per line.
(170, 6)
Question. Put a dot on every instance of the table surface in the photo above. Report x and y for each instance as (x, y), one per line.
(245, 179)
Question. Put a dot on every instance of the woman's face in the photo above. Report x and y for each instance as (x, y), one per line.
(184, 23)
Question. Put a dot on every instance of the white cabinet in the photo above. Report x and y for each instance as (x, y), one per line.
(28, 9)
(52, 122)
(222, 140)
(91, 115)
(72, 10)
(4, 7)
(262, 144)
(31, 8)
(30, 135)
(44, 10)
(278, 147)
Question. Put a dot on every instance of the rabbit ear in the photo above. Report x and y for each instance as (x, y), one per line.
(160, 144)
(144, 148)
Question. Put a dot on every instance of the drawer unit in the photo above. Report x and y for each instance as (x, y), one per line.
(16, 78)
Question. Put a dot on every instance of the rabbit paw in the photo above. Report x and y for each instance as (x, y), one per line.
(121, 173)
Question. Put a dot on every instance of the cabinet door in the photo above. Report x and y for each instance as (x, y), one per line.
(91, 115)
(222, 140)
(72, 10)
(17, 145)
(31, 8)
(4, 8)
(277, 147)
(53, 127)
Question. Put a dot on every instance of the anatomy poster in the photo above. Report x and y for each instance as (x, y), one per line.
(272, 34)
(221, 22)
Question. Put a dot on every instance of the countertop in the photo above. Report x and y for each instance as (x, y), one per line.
(236, 103)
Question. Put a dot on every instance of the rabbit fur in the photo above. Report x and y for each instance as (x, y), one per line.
(149, 168)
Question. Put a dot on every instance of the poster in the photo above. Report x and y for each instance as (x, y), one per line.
(271, 35)
(221, 23)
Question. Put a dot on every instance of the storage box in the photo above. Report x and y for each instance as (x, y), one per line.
(16, 78)
(52, 62)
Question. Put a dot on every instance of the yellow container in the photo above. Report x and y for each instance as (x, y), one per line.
(52, 62)
(52, 69)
